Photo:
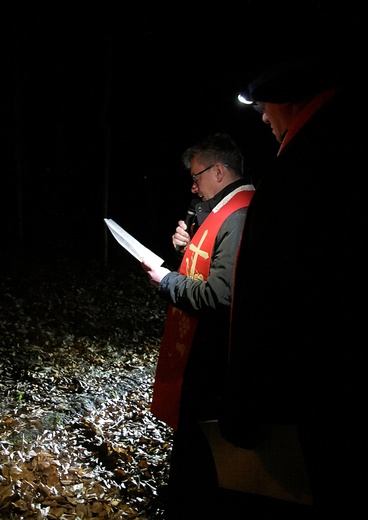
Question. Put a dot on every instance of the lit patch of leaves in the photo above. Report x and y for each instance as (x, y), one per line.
(78, 353)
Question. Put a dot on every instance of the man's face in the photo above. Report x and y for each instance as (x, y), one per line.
(204, 179)
(278, 115)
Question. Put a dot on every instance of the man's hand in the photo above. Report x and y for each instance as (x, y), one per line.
(181, 238)
(155, 274)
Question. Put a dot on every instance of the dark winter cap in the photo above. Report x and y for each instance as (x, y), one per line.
(294, 80)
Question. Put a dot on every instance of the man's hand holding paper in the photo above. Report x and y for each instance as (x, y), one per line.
(155, 272)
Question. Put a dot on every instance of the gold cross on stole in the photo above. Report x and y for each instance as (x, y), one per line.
(197, 252)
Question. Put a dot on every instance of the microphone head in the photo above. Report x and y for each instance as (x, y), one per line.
(189, 218)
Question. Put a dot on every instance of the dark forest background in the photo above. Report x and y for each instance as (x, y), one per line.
(102, 98)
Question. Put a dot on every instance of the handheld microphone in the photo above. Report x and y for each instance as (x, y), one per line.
(189, 219)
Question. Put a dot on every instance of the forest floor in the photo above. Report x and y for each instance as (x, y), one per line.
(78, 353)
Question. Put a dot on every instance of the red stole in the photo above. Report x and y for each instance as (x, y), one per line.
(180, 327)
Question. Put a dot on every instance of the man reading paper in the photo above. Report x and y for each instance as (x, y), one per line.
(193, 352)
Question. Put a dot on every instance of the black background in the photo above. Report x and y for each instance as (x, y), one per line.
(109, 94)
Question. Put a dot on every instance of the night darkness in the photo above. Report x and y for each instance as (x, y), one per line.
(102, 98)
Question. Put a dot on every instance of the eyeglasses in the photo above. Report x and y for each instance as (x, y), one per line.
(208, 168)
(200, 173)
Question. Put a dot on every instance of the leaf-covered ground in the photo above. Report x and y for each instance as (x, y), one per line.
(78, 352)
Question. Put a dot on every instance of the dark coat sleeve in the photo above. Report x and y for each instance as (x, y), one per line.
(214, 293)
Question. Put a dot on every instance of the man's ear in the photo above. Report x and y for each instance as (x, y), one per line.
(219, 171)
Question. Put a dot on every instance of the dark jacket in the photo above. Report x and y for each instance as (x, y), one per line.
(210, 301)
(299, 336)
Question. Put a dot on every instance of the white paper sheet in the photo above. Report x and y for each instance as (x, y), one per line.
(135, 248)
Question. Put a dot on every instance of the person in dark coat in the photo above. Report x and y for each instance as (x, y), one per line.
(202, 298)
(299, 327)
